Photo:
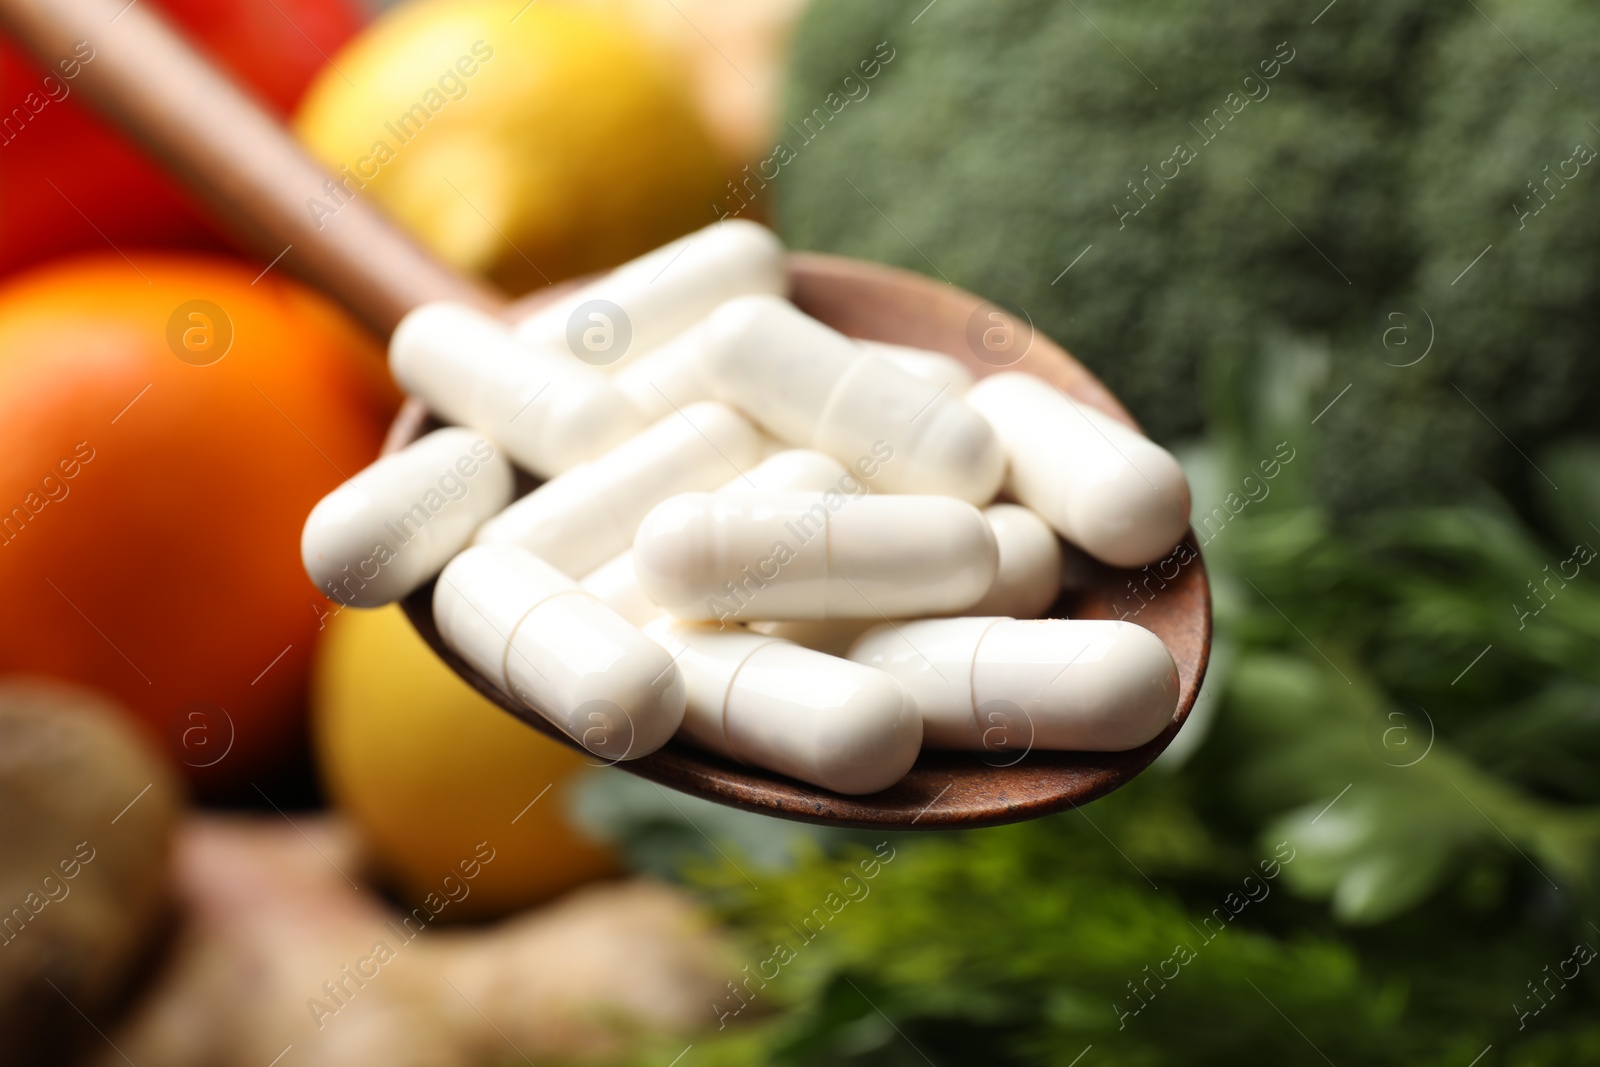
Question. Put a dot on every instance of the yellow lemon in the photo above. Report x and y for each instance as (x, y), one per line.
(454, 796)
(522, 142)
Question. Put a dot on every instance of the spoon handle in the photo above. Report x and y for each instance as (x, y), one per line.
(236, 157)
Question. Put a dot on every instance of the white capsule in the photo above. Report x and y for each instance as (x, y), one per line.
(584, 516)
(615, 582)
(548, 410)
(1108, 489)
(1029, 578)
(794, 470)
(816, 388)
(665, 378)
(935, 368)
(833, 636)
(745, 556)
(615, 585)
(669, 375)
(771, 446)
(1009, 685)
(384, 532)
(529, 629)
(768, 703)
(646, 301)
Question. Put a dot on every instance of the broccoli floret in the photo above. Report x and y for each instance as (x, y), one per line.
(1510, 97)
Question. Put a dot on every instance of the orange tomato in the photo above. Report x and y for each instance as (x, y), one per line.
(166, 423)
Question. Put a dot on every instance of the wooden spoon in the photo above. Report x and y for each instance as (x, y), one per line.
(258, 181)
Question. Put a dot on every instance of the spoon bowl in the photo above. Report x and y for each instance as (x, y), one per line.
(944, 790)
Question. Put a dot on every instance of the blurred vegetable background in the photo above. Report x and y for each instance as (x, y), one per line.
(1345, 258)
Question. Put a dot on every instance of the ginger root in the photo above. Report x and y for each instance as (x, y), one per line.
(284, 949)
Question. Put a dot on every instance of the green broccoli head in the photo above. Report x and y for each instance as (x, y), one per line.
(1506, 284)
(1215, 173)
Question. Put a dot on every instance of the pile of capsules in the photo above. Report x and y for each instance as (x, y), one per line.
(754, 533)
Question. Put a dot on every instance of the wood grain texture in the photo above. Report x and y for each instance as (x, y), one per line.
(251, 174)
(945, 790)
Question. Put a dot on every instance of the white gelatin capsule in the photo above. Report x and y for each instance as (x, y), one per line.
(384, 532)
(833, 636)
(615, 582)
(816, 388)
(548, 410)
(1008, 685)
(1029, 578)
(788, 709)
(666, 377)
(670, 376)
(1108, 489)
(827, 555)
(659, 294)
(529, 629)
(934, 367)
(588, 514)
(794, 470)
